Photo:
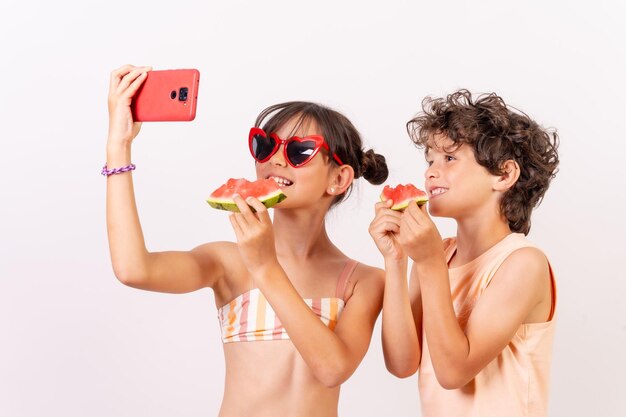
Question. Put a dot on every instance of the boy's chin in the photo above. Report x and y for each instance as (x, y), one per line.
(435, 211)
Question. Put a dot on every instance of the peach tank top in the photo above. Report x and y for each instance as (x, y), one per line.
(516, 382)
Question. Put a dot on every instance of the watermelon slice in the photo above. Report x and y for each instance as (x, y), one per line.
(266, 191)
(401, 195)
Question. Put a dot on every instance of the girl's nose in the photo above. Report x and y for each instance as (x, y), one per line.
(278, 158)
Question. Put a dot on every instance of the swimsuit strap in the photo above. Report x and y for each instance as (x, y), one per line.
(344, 279)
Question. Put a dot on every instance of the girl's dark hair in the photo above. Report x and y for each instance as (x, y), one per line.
(340, 134)
(497, 133)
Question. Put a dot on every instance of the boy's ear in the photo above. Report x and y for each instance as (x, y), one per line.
(510, 175)
(341, 180)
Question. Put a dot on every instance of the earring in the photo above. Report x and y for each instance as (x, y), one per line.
(332, 190)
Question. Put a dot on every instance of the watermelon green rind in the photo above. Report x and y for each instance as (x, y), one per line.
(229, 204)
(421, 200)
(266, 191)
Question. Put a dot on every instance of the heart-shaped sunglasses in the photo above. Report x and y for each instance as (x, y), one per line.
(298, 151)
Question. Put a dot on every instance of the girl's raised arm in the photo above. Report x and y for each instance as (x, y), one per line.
(132, 263)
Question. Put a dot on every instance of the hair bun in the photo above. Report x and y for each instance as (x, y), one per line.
(374, 167)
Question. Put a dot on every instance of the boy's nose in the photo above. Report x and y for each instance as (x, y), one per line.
(431, 172)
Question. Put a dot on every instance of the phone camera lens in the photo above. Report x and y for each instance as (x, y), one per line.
(182, 94)
(173, 94)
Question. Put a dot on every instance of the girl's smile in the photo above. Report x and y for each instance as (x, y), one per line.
(281, 181)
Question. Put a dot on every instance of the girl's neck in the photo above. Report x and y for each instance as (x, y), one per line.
(301, 233)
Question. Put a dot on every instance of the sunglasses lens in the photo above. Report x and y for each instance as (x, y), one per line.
(262, 147)
(300, 152)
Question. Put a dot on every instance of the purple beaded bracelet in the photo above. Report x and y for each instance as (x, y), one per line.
(106, 172)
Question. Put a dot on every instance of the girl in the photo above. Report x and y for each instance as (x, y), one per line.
(296, 313)
(478, 315)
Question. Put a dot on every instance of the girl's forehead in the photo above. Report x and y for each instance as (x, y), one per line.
(298, 126)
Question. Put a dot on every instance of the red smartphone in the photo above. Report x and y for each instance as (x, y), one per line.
(167, 96)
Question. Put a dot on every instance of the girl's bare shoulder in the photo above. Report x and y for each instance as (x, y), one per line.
(370, 277)
(234, 273)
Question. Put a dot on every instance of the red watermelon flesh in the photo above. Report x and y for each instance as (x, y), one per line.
(266, 191)
(401, 195)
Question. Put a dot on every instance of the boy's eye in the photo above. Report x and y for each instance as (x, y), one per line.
(450, 158)
(429, 163)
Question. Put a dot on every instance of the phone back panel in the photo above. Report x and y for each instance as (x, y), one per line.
(167, 96)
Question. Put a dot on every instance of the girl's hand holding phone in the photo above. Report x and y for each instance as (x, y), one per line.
(124, 83)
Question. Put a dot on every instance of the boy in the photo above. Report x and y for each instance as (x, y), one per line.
(477, 318)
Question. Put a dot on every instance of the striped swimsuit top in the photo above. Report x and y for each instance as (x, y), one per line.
(249, 317)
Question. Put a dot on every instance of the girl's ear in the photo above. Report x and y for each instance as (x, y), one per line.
(340, 180)
(509, 177)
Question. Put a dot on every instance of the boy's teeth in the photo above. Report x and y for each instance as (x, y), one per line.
(437, 191)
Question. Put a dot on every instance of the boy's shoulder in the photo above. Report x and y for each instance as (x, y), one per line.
(514, 246)
(515, 253)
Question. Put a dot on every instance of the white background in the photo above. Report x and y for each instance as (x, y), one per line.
(75, 342)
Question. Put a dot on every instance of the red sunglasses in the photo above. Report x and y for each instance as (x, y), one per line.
(298, 151)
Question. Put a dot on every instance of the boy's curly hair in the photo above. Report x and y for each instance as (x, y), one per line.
(496, 134)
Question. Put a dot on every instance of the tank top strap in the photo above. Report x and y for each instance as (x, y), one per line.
(502, 250)
(344, 279)
(554, 295)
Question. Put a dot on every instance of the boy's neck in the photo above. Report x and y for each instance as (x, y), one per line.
(475, 236)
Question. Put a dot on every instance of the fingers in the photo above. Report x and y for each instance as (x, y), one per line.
(252, 210)
(130, 77)
(235, 223)
(384, 229)
(411, 207)
(386, 222)
(387, 227)
(411, 223)
(124, 76)
(261, 211)
(243, 209)
(420, 213)
(382, 205)
(414, 211)
(383, 209)
(409, 227)
(137, 82)
(117, 75)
